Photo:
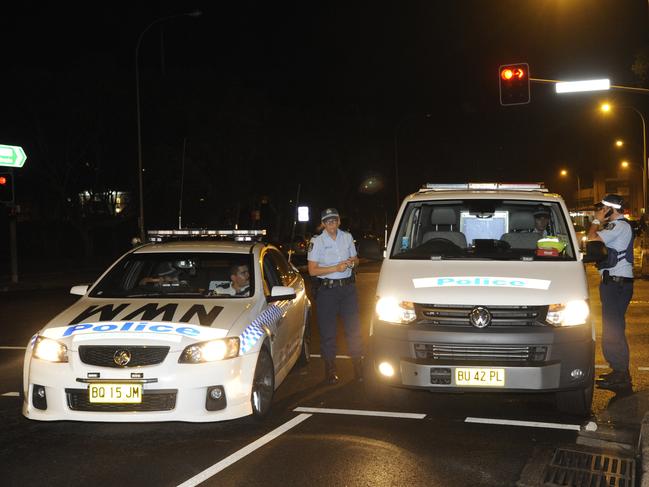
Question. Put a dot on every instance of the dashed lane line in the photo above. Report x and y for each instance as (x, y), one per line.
(11, 394)
(247, 450)
(360, 412)
(529, 424)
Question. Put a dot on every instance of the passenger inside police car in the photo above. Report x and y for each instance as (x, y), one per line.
(165, 273)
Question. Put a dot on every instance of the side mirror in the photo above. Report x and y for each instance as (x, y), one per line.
(281, 293)
(595, 252)
(370, 249)
(80, 290)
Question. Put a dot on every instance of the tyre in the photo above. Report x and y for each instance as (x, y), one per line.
(575, 402)
(305, 352)
(263, 385)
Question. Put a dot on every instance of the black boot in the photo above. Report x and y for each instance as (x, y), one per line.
(358, 369)
(618, 379)
(330, 372)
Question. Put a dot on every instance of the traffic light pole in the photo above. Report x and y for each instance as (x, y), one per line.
(13, 245)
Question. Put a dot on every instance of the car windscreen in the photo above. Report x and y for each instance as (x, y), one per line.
(484, 229)
(179, 275)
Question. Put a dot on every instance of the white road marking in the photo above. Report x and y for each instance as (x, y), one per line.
(11, 394)
(337, 356)
(247, 450)
(643, 368)
(531, 424)
(598, 366)
(12, 348)
(359, 412)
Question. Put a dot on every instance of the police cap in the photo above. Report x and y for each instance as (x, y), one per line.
(613, 201)
(329, 213)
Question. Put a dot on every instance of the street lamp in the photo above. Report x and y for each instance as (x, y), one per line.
(396, 151)
(195, 13)
(564, 173)
(606, 107)
(619, 143)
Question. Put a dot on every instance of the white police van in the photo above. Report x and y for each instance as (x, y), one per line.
(474, 296)
(166, 334)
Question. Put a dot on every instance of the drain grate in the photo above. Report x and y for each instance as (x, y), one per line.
(582, 469)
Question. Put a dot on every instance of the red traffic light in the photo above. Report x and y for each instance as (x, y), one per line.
(514, 81)
(3, 180)
(512, 73)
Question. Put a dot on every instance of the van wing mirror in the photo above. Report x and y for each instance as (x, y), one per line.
(595, 252)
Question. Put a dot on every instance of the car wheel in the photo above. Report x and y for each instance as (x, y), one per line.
(263, 385)
(305, 352)
(576, 402)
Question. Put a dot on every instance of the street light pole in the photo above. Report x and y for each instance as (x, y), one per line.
(644, 159)
(196, 13)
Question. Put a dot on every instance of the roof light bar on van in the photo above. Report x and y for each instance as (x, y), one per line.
(198, 233)
(484, 187)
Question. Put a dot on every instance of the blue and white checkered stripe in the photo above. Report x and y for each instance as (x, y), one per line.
(265, 323)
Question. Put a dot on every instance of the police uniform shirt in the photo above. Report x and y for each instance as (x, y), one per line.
(616, 235)
(228, 290)
(327, 252)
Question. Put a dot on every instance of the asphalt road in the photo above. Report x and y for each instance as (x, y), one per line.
(314, 434)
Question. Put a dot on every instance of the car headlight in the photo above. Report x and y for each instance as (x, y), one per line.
(50, 350)
(569, 314)
(210, 351)
(392, 311)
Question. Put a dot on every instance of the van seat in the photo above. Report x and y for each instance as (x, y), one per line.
(444, 222)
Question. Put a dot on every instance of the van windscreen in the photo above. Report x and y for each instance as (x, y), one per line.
(484, 229)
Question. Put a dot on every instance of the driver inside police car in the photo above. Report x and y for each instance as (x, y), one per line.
(239, 284)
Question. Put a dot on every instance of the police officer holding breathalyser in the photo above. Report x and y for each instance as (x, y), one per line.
(331, 259)
(615, 289)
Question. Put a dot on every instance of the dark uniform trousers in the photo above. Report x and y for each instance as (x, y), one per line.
(615, 297)
(338, 300)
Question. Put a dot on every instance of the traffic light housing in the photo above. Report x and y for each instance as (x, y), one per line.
(6, 187)
(514, 80)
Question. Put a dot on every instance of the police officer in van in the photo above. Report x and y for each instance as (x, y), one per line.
(615, 289)
(331, 259)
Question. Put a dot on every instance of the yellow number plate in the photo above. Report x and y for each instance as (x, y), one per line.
(479, 377)
(115, 393)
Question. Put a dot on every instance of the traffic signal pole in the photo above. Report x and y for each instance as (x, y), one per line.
(13, 245)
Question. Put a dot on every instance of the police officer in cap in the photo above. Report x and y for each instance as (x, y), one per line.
(331, 259)
(615, 289)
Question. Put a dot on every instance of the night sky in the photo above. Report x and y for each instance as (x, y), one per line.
(271, 95)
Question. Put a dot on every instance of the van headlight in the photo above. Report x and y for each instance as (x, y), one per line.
(571, 313)
(392, 311)
(50, 350)
(210, 351)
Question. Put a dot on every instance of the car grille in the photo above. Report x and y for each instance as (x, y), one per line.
(497, 353)
(501, 316)
(152, 400)
(102, 356)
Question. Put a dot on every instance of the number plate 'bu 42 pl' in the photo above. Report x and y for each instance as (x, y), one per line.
(478, 376)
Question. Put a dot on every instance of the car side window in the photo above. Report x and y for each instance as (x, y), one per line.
(284, 271)
(271, 276)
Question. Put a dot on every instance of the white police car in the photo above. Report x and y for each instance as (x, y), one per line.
(171, 332)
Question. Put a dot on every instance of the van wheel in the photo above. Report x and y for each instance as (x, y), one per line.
(263, 385)
(575, 402)
(305, 352)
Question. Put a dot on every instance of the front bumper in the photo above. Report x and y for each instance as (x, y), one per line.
(565, 350)
(189, 383)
